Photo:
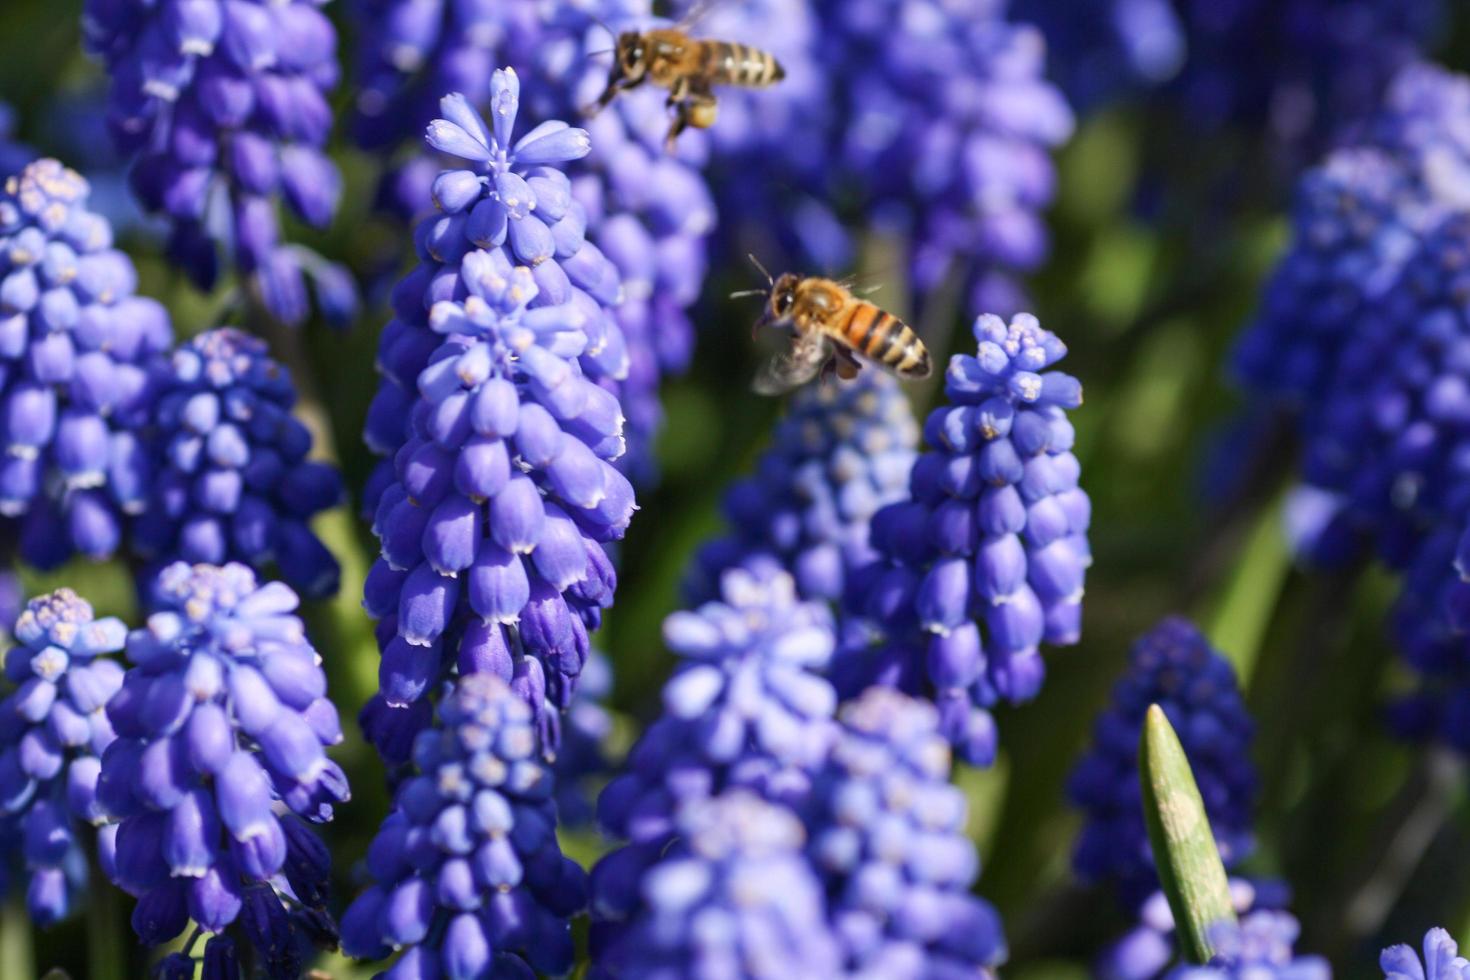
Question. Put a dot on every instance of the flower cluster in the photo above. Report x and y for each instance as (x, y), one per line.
(53, 730)
(1145, 951)
(994, 534)
(649, 212)
(1359, 219)
(1442, 960)
(733, 896)
(747, 707)
(945, 126)
(468, 878)
(1299, 71)
(1100, 51)
(1257, 947)
(1175, 667)
(222, 724)
(503, 495)
(231, 478)
(842, 452)
(223, 108)
(1387, 438)
(888, 837)
(75, 352)
(1355, 220)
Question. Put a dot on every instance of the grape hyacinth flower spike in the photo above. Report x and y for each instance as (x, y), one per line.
(842, 452)
(748, 706)
(76, 347)
(1442, 960)
(53, 729)
(232, 481)
(222, 724)
(514, 205)
(493, 529)
(1256, 948)
(222, 108)
(987, 559)
(469, 880)
(1173, 666)
(888, 838)
(733, 896)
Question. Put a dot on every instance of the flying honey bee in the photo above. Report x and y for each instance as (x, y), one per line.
(830, 329)
(689, 68)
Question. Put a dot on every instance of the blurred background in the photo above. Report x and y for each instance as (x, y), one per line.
(1162, 235)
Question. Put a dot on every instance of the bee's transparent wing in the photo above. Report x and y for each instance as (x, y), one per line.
(794, 366)
(694, 13)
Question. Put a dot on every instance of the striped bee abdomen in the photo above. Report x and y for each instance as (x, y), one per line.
(733, 63)
(884, 338)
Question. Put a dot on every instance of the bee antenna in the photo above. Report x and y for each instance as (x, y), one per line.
(599, 54)
(769, 280)
(604, 25)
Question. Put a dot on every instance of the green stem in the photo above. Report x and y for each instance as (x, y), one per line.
(16, 957)
(106, 957)
(1185, 854)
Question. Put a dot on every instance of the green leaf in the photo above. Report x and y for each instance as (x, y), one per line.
(1184, 848)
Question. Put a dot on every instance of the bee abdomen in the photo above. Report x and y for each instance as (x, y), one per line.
(741, 64)
(884, 338)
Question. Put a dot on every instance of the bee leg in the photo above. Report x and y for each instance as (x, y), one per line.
(678, 92)
(680, 123)
(847, 365)
(701, 109)
(615, 86)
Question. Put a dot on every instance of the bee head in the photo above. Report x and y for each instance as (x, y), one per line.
(632, 56)
(783, 296)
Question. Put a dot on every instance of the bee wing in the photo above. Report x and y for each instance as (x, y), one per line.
(697, 12)
(794, 366)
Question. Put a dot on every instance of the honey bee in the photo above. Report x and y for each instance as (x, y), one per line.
(689, 68)
(830, 329)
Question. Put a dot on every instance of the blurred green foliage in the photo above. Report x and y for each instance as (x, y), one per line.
(1162, 240)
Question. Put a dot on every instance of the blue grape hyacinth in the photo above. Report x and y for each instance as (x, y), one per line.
(647, 211)
(76, 349)
(220, 760)
(733, 896)
(987, 559)
(1358, 219)
(514, 206)
(222, 106)
(1109, 50)
(1145, 951)
(1259, 947)
(1355, 219)
(748, 706)
(842, 452)
(231, 477)
(888, 837)
(53, 730)
(1175, 667)
(503, 493)
(1388, 438)
(946, 123)
(469, 880)
(1442, 960)
(1299, 72)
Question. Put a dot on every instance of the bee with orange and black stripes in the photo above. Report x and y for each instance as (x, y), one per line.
(831, 328)
(689, 68)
